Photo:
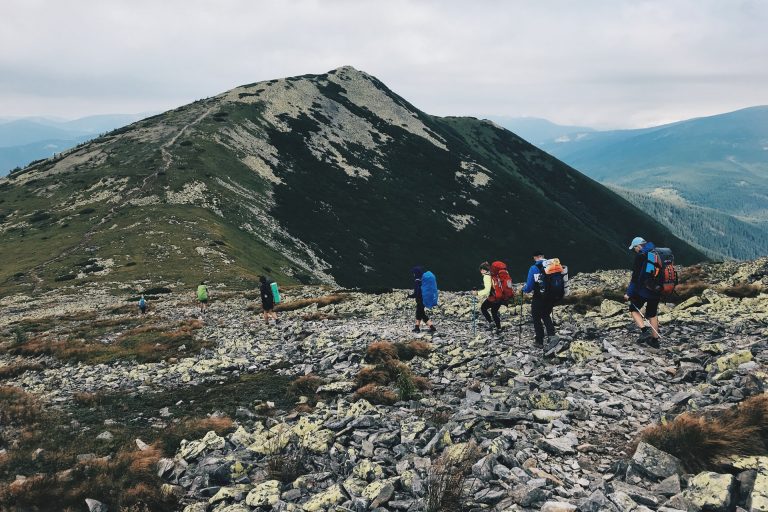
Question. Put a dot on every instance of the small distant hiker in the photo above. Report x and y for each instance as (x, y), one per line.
(542, 304)
(202, 296)
(142, 305)
(643, 290)
(497, 291)
(420, 285)
(268, 299)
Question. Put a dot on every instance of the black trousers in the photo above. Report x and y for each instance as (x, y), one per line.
(421, 314)
(494, 307)
(542, 317)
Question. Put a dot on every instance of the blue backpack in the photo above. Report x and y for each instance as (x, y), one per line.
(429, 289)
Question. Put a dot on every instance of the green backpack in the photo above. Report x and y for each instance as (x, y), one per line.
(275, 292)
(202, 292)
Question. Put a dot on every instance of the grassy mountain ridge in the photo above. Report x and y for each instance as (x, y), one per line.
(317, 178)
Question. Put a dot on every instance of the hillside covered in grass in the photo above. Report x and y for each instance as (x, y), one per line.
(328, 178)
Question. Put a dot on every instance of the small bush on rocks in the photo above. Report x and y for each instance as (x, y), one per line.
(306, 385)
(702, 442)
(445, 483)
(376, 394)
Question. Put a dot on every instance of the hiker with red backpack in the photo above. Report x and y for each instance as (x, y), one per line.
(547, 286)
(653, 276)
(497, 291)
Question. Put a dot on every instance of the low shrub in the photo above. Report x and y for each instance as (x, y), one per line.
(325, 300)
(701, 442)
(444, 487)
(288, 464)
(306, 385)
(376, 394)
(14, 370)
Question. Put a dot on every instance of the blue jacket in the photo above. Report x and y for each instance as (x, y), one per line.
(530, 283)
(640, 270)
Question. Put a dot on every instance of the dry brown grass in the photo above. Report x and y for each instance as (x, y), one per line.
(14, 370)
(376, 394)
(318, 316)
(371, 375)
(702, 442)
(18, 407)
(445, 483)
(288, 464)
(323, 301)
(381, 352)
(422, 383)
(306, 385)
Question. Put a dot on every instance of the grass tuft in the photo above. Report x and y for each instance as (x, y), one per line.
(703, 442)
(376, 394)
(445, 484)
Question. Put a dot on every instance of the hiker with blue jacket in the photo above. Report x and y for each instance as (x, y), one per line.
(541, 308)
(421, 314)
(639, 295)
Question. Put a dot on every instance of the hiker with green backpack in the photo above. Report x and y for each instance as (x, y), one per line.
(202, 296)
(270, 296)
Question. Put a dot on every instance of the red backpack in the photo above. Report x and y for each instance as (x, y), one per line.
(502, 283)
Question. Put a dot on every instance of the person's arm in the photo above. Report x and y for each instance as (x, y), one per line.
(636, 271)
(486, 291)
(530, 282)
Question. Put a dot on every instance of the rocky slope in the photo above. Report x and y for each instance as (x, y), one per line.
(534, 433)
(328, 178)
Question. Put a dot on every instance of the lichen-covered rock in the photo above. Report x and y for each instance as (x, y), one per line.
(711, 491)
(582, 350)
(731, 361)
(609, 308)
(326, 499)
(655, 463)
(266, 494)
(211, 441)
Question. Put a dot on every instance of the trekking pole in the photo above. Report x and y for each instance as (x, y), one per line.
(520, 321)
(474, 315)
(645, 319)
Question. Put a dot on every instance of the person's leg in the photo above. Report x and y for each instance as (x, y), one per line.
(635, 303)
(496, 317)
(484, 310)
(652, 314)
(546, 318)
(538, 328)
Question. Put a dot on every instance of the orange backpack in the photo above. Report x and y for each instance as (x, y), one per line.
(502, 283)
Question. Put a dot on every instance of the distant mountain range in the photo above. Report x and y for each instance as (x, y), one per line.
(716, 163)
(26, 139)
(317, 178)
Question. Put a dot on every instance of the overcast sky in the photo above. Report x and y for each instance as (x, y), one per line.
(609, 63)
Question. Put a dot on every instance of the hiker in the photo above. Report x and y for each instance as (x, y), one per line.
(142, 305)
(541, 304)
(202, 296)
(488, 297)
(418, 294)
(639, 294)
(267, 299)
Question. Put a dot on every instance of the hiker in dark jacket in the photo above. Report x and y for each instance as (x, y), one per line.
(639, 295)
(421, 314)
(541, 308)
(267, 299)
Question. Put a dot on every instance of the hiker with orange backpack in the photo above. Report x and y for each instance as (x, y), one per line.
(497, 291)
(543, 302)
(653, 275)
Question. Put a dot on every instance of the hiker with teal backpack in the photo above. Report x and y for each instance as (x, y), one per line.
(202, 296)
(653, 276)
(425, 293)
(270, 295)
(142, 305)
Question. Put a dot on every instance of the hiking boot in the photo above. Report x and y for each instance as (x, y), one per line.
(553, 345)
(416, 329)
(432, 329)
(645, 335)
(498, 330)
(653, 342)
(538, 342)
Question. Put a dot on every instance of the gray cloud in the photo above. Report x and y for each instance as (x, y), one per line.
(594, 62)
